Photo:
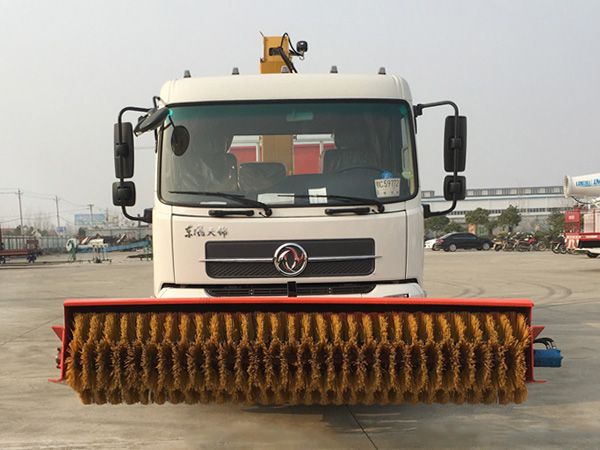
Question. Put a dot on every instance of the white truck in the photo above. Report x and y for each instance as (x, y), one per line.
(288, 255)
(582, 224)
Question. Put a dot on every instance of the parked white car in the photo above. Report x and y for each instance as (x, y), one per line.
(429, 243)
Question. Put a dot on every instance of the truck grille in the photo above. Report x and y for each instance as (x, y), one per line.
(345, 249)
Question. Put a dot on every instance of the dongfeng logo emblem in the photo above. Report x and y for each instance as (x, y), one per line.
(290, 260)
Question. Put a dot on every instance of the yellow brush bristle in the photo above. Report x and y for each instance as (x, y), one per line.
(149, 365)
(102, 364)
(164, 367)
(201, 328)
(304, 358)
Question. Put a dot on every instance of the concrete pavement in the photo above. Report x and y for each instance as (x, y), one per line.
(563, 413)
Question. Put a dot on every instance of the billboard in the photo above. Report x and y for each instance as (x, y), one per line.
(84, 219)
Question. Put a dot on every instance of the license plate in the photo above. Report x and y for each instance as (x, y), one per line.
(387, 187)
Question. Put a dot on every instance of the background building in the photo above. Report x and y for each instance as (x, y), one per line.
(534, 203)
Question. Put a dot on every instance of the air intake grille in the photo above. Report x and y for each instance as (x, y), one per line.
(345, 248)
(281, 290)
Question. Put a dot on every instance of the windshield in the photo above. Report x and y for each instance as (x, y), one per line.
(287, 154)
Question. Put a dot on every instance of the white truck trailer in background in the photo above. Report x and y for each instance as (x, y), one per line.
(582, 224)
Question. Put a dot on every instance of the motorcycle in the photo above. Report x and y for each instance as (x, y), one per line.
(510, 243)
(557, 245)
(531, 243)
(498, 243)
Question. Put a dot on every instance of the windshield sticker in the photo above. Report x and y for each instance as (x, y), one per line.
(389, 187)
(276, 199)
(317, 195)
(386, 175)
(407, 174)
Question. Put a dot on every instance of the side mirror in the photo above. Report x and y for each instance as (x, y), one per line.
(123, 194)
(147, 215)
(455, 143)
(123, 150)
(455, 189)
(151, 121)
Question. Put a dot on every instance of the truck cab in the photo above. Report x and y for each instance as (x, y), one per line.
(287, 185)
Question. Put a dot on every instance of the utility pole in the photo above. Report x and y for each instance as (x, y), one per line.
(91, 215)
(57, 214)
(20, 209)
(21, 214)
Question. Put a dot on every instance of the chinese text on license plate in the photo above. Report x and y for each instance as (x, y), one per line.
(387, 187)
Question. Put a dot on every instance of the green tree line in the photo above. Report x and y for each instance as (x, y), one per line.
(509, 218)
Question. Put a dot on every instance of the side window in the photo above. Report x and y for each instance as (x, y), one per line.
(407, 155)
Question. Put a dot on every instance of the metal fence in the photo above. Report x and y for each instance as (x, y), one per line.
(58, 244)
(50, 244)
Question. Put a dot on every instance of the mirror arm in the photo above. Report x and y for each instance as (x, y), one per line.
(421, 106)
(418, 110)
(147, 217)
(427, 212)
(129, 216)
(123, 111)
(132, 108)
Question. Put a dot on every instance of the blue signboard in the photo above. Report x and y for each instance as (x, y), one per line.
(84, 219)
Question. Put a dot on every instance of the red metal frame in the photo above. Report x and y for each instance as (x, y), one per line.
(573, 232)
(523, 306)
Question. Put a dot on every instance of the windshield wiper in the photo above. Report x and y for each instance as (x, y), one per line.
(238, 198)
(230, 212)
(358, 200)
(358, 210)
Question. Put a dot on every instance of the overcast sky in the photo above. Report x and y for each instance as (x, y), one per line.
(525, 73)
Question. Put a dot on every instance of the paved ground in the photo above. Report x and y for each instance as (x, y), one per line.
(563, 413)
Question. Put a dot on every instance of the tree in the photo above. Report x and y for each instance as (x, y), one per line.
(510, 217)
(556, 222)
(436, 224)
(41, 222)
(479, 216)
(453, 227)
(491, 225)
(26, 231)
